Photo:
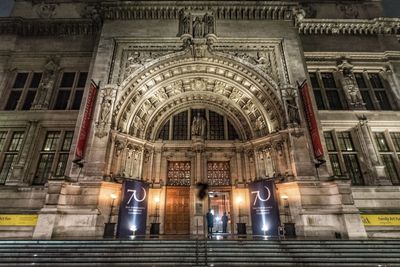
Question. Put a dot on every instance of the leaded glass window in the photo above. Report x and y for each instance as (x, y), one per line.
(353, 169)
(218, 173)
(23, 92)
(216, 126)
(345, 142)
(70, 90)
(9, 151)
(180, 131)
(396, 141)
(326, 92)
(390, 168)
(178, 173)
(164, 132)
(53, 156)
(381, 141)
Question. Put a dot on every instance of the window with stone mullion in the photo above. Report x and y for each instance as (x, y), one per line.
(70, 91)
(333, 154)
(23, 91)
(53, 156)
(9, 151)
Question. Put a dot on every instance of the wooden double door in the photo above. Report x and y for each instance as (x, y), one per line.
(177, 210)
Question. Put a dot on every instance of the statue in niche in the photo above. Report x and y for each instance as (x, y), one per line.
(350, 86)
(46, 85)
(197, 28)
(184, 23)
(105, 110)
(199, 126)
(291, 105)
(209, 24)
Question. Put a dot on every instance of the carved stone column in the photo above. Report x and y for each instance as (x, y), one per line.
(371, 154)
(198, 148)
(239, 169)
(107, 99)
(157, 162)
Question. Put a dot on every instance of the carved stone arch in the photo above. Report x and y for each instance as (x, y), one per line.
(240, 123)
(138, 91)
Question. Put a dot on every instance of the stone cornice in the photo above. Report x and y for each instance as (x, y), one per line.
(233, 10)
(349, 26)
(48, 27)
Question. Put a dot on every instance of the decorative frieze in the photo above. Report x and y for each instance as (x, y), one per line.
(48, 27)
(349, 26)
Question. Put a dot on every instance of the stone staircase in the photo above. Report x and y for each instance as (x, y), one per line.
(200, 253)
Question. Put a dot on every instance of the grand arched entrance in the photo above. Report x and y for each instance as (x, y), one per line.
(185, 120)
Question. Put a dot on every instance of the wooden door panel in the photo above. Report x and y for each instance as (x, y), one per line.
(177, 211)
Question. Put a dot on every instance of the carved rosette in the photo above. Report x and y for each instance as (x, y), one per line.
(107, 98)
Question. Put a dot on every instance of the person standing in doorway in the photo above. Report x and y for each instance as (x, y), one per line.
(225, 220)
(210, 222)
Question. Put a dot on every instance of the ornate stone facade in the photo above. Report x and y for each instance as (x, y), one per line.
(195, 92)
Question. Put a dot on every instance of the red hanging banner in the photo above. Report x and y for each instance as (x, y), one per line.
(311, 121)
(86, 122)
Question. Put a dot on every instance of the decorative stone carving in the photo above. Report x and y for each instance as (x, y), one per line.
(350, 86)
(199, 125)
(289, 94)
(46, 86)
(93, 13)
(103, 124)
(161, 95)
(45, 11)
(198, 84)
(196, 24)
(236, 95)
(349, 11)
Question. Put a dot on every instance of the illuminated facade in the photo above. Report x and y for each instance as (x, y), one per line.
(195, 92)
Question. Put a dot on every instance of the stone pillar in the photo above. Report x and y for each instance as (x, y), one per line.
(157, 162)
(367, 141)
(198, 148)
(19, 173)
(238, 153)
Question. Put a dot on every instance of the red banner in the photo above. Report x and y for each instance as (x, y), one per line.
(311, 121)
(86, 122)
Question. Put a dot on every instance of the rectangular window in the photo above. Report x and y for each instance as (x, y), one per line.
(360, 80)
(345, 142)
(180, 126)
(23, 91)
(334, 99)
(383, 100)
(330, 145)
(216, 126)
(9, 151)
(178, 173)
(390, 168)
(396, 141)
(328, 80)
(314, 80)
(334, 159)
(381, 142)
(218, 173)
(319, 100)
(70, 91)
(367, 99)
(53, 156)
(375, 80)
(353, 168)
(343, 160)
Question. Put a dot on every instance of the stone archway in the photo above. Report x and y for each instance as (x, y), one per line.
(250, 99)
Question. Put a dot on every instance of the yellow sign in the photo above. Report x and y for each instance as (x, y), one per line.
(381, 219)
(18, 219)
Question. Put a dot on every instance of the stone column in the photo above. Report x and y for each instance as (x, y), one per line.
(19, 173)
(157, 162)
(371, 154)
(238, 153)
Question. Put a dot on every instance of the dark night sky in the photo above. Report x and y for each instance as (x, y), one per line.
(392, 7)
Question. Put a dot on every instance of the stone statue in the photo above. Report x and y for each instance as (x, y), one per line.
(199, 126)
(46, 85)
(197, 28)
(351, 88)
(105, 110)
(209, 24)
(292, 109)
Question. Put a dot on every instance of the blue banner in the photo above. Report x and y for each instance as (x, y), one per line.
(264, 208)
(133, 209)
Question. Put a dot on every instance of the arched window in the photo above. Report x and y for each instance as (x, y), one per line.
(178, 127)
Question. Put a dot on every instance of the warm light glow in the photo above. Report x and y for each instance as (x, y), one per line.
(239, 199)
(156, 199)
(284, 197)
(113, 196)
